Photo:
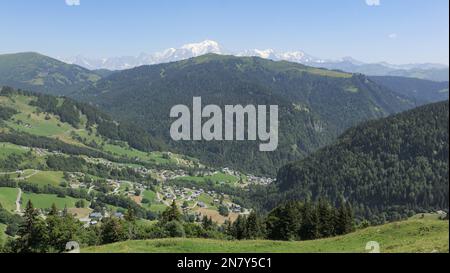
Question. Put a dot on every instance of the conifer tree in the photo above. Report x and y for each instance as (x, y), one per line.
(31, 233)
(172, 213)
(309, 228)
(53, 210)
(255, 228)
(325, 218)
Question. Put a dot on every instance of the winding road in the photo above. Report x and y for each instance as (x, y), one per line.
(19, 197)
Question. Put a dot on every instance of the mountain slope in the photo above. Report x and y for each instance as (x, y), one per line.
(420, 71)
(412, 236)
(168, 55)
(35, 72)
(434, 72)
(60, 151)
(422, 91)
(316, 105)
(387, 169)
(61, 124)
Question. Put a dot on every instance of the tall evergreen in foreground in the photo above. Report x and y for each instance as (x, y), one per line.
(31, 232)
(295, 221)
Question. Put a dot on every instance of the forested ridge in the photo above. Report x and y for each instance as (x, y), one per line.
(387, 169)
(71, 111)
(421, 91)
(316, 105)
(39, 73)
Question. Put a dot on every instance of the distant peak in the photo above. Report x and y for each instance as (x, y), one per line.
(201, 48)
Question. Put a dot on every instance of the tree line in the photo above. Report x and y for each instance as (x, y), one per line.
(290, 221)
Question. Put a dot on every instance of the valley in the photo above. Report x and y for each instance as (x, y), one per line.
(50, 176)
(332, 183)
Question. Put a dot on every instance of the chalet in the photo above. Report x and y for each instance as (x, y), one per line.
(96, 215)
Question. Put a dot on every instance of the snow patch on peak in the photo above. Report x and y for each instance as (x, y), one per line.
(188, 51)
(205, 47)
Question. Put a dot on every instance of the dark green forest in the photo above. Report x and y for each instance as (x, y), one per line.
(290, 221)
(387, 169)
(315, 105)
(420, 91)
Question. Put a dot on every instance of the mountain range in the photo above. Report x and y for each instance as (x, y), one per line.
(435, 72)
(316, 104)
(388, 168)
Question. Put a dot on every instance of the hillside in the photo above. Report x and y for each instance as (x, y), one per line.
(422, 91)
(35, 72)
(388, 168)
(54, 150)
(430, 72)
(412, 236)
(316, 105)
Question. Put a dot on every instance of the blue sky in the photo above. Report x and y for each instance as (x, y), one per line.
(397, 31)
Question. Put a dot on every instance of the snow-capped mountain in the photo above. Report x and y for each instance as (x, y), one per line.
(428, 71)
(185, 52)
(169, 55)
(291, 56)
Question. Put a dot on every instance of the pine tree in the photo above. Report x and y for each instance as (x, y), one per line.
(65, 211)
(112, 230)
(171, 214)
(326, 219)
(228, 227)
(240, 228)
(309, 229)
(130, 216)
(31, 231)
(207, 223)
(53, 210)
(254, 227)
(349, 225)
(283, 223)
(61, 230)
(344, 219)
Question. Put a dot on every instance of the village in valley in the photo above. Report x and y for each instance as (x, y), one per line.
(156, 190)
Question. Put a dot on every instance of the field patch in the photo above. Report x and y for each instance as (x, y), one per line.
(7, 149)
(8, 198)
(215, 215)
(80, 213)
(157, 207)
(45, 201)
(43, 178)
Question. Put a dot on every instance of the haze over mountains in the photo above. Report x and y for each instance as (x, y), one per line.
(430, 71)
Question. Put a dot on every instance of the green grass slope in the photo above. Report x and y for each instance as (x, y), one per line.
(415, 235)
(8, 198)
(33, 120)
(45, 201)
(36, 72)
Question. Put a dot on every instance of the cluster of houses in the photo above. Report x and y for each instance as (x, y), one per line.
(96, 217)
(255, 180)
(184, 194)
(252, 179)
